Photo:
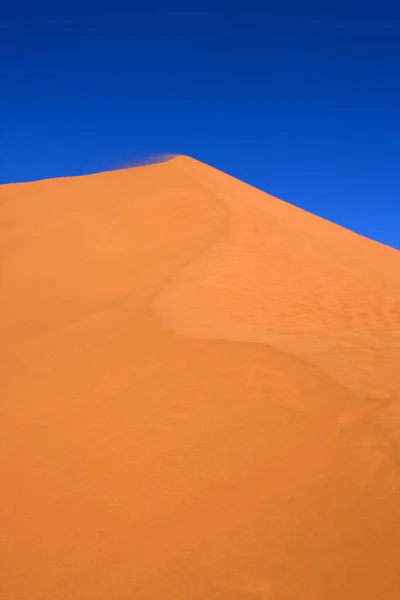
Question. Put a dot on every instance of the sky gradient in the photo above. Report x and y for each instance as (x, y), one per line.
(300, 99)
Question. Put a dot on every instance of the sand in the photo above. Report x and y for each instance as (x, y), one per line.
(200, 394)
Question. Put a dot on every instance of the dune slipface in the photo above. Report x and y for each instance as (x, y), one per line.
(199, 394)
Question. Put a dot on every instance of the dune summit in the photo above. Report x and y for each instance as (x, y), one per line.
(200, 394)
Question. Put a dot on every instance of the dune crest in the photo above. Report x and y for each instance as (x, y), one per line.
(199, 395)
(294, 281)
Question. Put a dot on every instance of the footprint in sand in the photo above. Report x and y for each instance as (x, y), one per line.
(248, 588)
(377, 396)
(375, 400)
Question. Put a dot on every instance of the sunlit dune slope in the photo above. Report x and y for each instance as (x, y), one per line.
(200, 394)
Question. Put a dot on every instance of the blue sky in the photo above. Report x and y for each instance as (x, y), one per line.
(301, 99)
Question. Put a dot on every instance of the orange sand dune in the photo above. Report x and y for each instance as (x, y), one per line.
(200, 394)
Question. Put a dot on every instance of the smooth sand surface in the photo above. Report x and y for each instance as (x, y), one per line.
(200, 394)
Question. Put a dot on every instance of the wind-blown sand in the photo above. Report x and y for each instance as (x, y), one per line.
(200, 394)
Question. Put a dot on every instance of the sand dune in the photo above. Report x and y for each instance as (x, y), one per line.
(200, 394)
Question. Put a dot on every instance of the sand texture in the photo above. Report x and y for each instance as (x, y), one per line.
(200, 394)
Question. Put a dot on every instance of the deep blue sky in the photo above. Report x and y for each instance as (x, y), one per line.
(301, 99)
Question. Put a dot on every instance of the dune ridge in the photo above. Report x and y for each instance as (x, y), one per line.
(352, 332)
(199, 393)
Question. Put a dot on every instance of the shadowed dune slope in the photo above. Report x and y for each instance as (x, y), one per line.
(200, 394)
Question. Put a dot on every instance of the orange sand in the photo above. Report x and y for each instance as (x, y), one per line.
(200, 394)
